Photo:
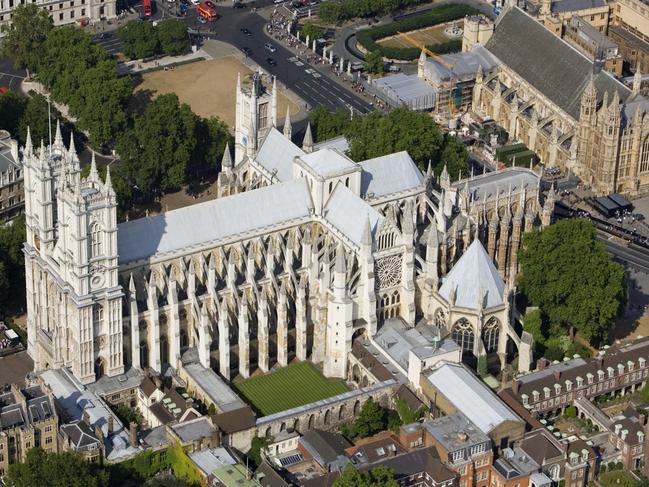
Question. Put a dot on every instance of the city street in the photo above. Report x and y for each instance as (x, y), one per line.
(10, 76)
(311, 83)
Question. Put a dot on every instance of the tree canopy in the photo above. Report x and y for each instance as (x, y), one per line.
(377, 134)
(158, 155)
(377, 477)
(370, 419)
(67, 469)
(12, 265)
(374, 61)
(82, 75)
(569, 275)
(139, 39)
(143, 39)
(26, 34)
(312, 31)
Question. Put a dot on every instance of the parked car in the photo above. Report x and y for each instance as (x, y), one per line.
(271, 61)
(278, 1)
(269, 47)
(240, 5)
(196, 2)
(246, 50)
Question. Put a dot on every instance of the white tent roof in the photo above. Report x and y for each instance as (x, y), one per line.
(471, 396)
(472, 274)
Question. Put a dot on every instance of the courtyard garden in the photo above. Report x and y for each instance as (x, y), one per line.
(289, 387)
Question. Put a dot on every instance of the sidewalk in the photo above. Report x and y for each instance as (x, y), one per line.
(132, 67)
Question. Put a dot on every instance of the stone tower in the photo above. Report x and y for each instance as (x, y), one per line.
(477, 30)
(256, 113)
(73, 295)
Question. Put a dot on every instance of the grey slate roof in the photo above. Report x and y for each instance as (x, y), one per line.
(548, 63)
(348, 213)
(575, 5)
(389, 174)
(217, 390)
(213, 220)
(329, 162)
(407, 89)
(463, 64)
(472, 274)
(276, 155)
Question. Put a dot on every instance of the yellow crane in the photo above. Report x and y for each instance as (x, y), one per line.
(425, 49)
(451, 107)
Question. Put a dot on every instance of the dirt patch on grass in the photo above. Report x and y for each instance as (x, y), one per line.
(427, 36)
(208, 87)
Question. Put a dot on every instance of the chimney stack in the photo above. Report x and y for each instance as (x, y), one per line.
(99, 433)
(110, 425)
(516, 384)
(86, 417)
(557, 374)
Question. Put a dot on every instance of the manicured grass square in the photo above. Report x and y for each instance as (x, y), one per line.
(290, 387)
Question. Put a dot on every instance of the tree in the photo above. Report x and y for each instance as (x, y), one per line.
(378, 134)
(567, 273)
(25, 36)
(12, 265)
(377, 477)
(157, 153)
(211, 136)
(570, 412)
(167, 482)
(211, 410)
(374, 61)
(257, 445)
(36, 116)
(172, 36)
(67, 469)
(408, 415)
(139, 39)
(12, 107)
(455, 157)
(326, 124)
(370, 420)
(312, 31)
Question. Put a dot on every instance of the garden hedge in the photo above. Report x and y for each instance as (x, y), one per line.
(446, 13)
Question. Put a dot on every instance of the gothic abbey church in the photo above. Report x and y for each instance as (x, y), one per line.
(303, 251)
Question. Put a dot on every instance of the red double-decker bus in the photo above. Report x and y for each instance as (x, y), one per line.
(146, 9)
(207, 11)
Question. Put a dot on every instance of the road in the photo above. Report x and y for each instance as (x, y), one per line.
(631, 255)
(310, 83)
(9, 75)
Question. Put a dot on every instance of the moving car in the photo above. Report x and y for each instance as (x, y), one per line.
(269, 47)
(271, 61)
(246, 31)
(246, 50)
(240, 5)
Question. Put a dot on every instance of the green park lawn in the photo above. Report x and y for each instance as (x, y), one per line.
(287, 388)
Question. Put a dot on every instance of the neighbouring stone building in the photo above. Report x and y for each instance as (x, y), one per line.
(560, 103)
(28, 419)
(303, 251)
(12, 194)
(65, 11)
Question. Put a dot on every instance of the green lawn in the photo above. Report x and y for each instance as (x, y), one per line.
(288, 388)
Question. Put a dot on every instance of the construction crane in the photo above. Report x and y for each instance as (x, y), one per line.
(428, 52)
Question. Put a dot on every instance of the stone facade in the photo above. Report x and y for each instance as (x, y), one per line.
(596, 128)
(303, 251)
(66, 12)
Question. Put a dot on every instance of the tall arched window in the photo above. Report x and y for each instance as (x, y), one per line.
(491, 334)
(462, 334)
(96, 248)
(644, 156)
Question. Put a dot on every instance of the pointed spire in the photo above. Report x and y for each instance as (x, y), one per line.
(72, 150)
(226, 162)
(93, 176)
(28, 141)
(288, 128)
(429, 169)
(109, 182)
(366, 236)
(131, 286)
(637, 82)
(58, 138)
(340, 267)
(307, 143)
